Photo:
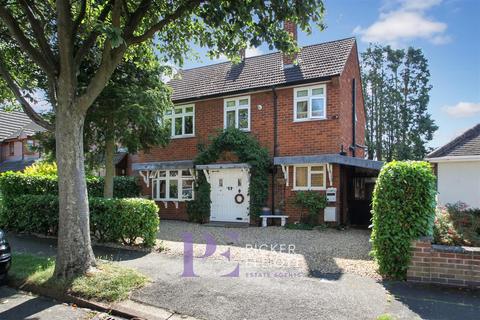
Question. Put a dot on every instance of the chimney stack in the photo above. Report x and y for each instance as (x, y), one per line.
(242, 54)
(291, 28)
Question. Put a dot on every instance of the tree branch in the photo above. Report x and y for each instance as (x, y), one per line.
(181, 10)
(39, 32)
(24, 42)
(81, 15)
(27, 108)
(92, 37)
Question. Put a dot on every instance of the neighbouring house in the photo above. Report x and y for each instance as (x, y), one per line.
(310, 117)
(457, 166)
(16, 141)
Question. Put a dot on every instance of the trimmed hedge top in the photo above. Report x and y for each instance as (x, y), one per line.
(403, 210)
(14, 184)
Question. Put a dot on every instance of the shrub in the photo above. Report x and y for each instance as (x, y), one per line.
(42, 168)
(124, 220)
(457, 225)
(312, 201)
(403, 210)
(111, 220)
(14, 184)
(299, 226)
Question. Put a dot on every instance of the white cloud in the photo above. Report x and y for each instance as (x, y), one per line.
(419, 4)
(252, 52)
(406, 22)
(463, 109)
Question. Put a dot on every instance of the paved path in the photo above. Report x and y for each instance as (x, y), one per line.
(16, 305)
(260, 293)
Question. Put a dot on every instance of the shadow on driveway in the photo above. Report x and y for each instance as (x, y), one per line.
(436, 302)
(24, 243)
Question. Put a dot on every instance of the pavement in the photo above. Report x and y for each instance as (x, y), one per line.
(260, 292)
(16, 305)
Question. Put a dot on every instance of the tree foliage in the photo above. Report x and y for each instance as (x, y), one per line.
(403, 209)
(55, 38)
(396, 90)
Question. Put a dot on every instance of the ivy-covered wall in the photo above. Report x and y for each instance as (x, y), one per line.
(248, 150)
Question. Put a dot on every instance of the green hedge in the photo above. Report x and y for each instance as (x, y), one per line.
(111, 220)
(14, 184)
(403, 210)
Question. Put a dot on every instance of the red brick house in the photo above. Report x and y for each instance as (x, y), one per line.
(310, 116)
(16, 141)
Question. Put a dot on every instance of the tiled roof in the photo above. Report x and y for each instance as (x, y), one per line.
(468, 144)
(16, 123)
(17, 165)
(316, 62)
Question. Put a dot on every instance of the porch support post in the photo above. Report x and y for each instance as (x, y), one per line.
(285, 173)
(144, 175)
(330, 173)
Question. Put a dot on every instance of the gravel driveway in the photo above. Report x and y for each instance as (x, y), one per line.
(327, 251)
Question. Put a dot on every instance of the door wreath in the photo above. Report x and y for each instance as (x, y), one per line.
(239, 198)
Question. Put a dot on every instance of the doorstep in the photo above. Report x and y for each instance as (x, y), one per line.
(227, 224)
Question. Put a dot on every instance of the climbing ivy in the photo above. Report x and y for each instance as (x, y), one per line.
(248, 150)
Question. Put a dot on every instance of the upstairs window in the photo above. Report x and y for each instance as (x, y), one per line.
(173, 185)
(237, 113)
(309, 177)
(181, 121)
(310, 103)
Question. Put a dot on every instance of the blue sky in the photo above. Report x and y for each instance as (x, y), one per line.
(448, 31)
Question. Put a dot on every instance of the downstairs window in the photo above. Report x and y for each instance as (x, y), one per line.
(173, 185)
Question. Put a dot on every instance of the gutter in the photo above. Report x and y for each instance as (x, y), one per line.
(454, 159)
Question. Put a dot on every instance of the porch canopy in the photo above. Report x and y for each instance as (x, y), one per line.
(329, 158)
(216, 166)
(163, 165)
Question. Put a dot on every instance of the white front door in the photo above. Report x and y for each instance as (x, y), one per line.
(229, 195)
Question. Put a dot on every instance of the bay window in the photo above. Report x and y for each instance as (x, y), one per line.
(310, 103)
(173, 185)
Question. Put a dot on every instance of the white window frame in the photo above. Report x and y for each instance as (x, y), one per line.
(309, 99)
(180, 177)
(309, 177)
(237, 108)
(182, 115)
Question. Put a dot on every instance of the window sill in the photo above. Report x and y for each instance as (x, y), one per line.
(309, 119)
(310, 189)
(183, 136)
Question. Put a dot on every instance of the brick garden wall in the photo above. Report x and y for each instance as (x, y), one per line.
(447, 265)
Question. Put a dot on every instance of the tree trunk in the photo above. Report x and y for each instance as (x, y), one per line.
(74, 253)
(109, 165)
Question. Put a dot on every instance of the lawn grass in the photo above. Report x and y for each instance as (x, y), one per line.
(109, 283)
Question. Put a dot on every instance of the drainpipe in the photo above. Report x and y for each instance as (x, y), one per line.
(354, 113)
(275, 144)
